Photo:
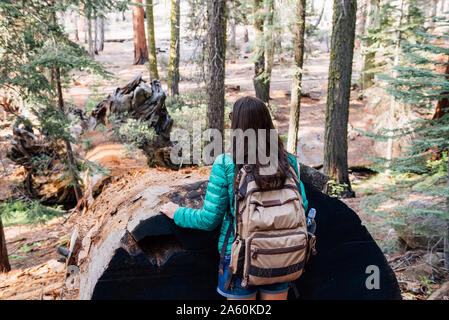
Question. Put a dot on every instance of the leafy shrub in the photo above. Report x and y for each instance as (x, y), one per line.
(130, 131)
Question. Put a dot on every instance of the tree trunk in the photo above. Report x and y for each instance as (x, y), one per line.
(73, 169)
(261, 85)
(173, 66)
(443, 104)
(362, 17)
(434, 8)
(151, 41)
(4, 261)
(269, 39)
(82, 26)
(75, 23)
(393, 102)
(368, 58)
(317, 22)
(89, 37)
(216, 61)
(246, 36)
(278, 36)
(295, 104)
(96, 21)
(232, 34)
(101, 43)
(338, 93)
(140, 41)
(446, 238)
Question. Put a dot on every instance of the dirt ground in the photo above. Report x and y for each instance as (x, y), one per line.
(36, 273)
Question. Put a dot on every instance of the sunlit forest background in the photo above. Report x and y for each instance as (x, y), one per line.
(91, 90)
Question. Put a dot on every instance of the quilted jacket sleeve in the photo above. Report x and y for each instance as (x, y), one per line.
(215, 204)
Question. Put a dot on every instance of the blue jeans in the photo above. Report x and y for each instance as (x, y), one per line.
(241, 293)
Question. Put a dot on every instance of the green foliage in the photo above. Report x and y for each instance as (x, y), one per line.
(336, 189)
(391, 20)
(19, 212)
(422, 168)
(92, 168)
(191, 107)
(41, 162)
(133, 132)
(93, 99)
(36, 63)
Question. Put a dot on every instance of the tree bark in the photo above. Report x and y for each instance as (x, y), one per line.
(82, 25)
(151, 41)
(269, 39)
(73, 169)
(216, 61)
(261, 86)
(317, 22)
(443, 104)
(434, 8)
(295, 104)
(361, 17)
(246, 36)
(4, 261)
(232, 34)
(89, 37)
(75, 23)
(446, 238)
(101, 43)
(72, 162)
(140, 41)
(338, 93)
(393, 102)
(368, 58)
(173, 66)
(96, 21)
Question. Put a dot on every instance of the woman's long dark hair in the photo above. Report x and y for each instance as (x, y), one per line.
(252, 113)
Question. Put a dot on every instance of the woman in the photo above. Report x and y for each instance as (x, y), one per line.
(247, 113)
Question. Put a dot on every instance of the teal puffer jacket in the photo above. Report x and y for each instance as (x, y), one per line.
(219, 198)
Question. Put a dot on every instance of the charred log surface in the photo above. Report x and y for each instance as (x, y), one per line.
(312, 176)
(155, 259)
(345, 250)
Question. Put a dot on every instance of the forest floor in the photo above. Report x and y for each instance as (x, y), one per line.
(36, 274)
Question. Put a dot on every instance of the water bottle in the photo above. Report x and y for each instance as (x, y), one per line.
(311, 224)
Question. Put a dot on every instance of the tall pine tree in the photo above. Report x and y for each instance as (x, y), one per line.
(421, 83)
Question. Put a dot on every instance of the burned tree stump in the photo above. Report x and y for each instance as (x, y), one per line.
(140, 101)
(143, 102)
(131, 251)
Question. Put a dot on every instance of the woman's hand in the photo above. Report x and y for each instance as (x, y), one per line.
(169, 209)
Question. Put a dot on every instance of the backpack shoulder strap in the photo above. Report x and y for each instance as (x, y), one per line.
(239, 194)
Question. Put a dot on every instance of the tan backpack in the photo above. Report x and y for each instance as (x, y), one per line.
(271, 242)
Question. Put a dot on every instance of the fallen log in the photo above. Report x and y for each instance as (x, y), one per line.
(441, 292)
(130, 251)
